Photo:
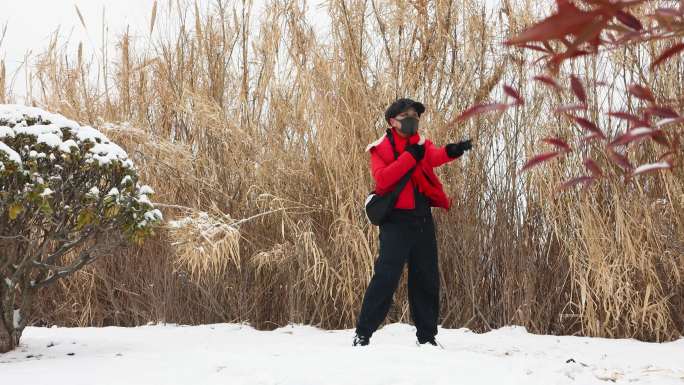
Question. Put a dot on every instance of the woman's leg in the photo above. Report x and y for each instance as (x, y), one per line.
(395, 243)
(423, 282)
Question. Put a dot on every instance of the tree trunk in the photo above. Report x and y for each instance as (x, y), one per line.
(9, 337)
(9, 332)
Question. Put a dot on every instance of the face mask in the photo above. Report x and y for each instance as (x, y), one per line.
(409, 125)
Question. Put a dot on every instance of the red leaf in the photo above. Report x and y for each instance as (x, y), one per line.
(535, 160)
(588, 125)
(578, 89)
(641, 124)
(575, 181)
(630, 117)
(629, 20)
(620, 139)
(667, 155)
(568, 20)
(619, 159)
(591, 165)
(534, 47)
(510, 91)
(565, 6)
(558, 58)
(481, 109)
(547, 80)
(670, 121)
(590, 137)
(572, 107)
(632, 135)
(560, 143)
(660, 138)
(641, 92)
(663, 112)
(645, 168)
(585, 123)
(627, 37)
(668, 53)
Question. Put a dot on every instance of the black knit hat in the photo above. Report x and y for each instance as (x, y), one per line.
(401, 105)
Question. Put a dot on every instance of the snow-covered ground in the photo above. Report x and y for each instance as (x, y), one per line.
(300, 355)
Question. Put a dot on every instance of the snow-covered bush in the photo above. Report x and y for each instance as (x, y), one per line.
(68, 195)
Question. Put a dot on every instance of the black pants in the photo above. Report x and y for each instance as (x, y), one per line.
(404, 238)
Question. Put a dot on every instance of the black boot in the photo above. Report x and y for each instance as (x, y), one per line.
(430, 341)
(360, 340)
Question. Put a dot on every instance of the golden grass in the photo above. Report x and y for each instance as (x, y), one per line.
(254, 140)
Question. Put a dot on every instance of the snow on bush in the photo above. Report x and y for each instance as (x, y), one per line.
(67, 196)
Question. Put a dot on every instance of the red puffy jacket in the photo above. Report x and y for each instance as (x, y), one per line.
(387, 171)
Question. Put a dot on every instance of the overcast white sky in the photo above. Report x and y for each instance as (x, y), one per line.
(31, 22)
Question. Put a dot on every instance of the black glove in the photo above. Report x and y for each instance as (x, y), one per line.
(457, 149)
(416, 150)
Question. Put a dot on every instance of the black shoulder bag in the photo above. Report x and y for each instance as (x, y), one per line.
(378, 206)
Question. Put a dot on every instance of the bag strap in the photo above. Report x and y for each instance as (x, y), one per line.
(391, 140)
(402, 183)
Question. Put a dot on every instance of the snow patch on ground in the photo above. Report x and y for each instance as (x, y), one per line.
(301, 355)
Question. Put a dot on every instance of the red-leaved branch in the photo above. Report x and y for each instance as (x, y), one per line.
(587, 27)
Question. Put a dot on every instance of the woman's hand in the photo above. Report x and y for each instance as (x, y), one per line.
(416, 150)
(457, 149)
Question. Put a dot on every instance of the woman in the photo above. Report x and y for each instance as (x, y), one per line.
(408, 233)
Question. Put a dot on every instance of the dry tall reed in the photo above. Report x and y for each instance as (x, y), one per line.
(253, 141)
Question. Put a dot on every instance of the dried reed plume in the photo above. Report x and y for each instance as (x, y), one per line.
(270, 124)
